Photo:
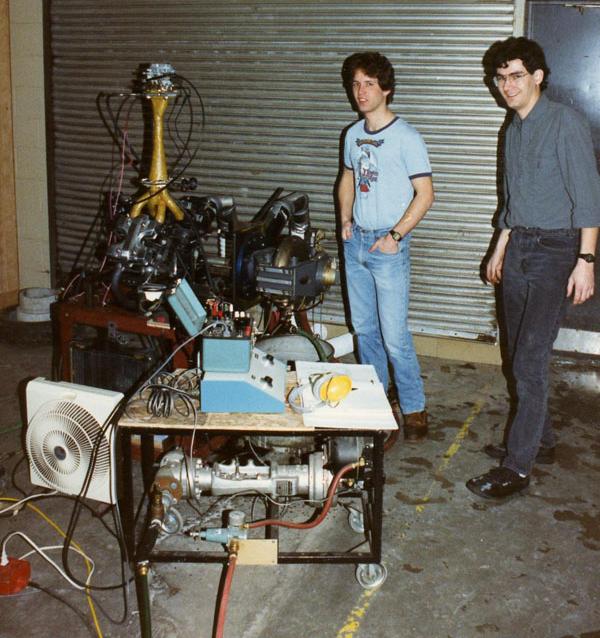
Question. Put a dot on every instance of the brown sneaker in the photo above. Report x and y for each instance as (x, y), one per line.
(415, 426)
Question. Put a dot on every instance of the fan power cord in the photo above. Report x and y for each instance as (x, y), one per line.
(18, 505)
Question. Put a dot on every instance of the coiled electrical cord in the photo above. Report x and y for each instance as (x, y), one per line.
(167, 393)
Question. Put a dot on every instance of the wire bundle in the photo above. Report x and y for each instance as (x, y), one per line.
(170, 392)
(116, 119)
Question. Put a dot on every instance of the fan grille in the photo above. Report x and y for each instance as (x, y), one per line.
(60, 441)
(61, 452)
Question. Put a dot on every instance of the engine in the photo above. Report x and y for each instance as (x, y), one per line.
(182, 477)
(158, 238)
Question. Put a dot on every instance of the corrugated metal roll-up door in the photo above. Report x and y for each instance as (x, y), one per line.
(269, 76)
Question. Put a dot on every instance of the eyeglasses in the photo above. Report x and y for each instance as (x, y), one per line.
(501, 80)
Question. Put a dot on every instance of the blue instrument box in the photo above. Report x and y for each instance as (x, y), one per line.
(188, 309)
(226, 354)
(261, 389)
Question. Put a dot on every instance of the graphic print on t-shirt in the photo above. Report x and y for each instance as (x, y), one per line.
(367, 165)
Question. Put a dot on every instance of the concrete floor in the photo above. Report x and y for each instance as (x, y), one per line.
(458, 566)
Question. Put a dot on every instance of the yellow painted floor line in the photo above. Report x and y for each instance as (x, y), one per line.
(351, 625)
(359, 611)
(454, 447)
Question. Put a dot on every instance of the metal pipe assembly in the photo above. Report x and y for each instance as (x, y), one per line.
(158, 89)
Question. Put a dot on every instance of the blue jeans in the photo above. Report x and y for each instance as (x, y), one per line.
(378, 286)
(536, 269)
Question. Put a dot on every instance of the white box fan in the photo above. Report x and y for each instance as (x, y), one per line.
(65, 421)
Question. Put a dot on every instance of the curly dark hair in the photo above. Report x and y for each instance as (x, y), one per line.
(503, 51)
(374, 65)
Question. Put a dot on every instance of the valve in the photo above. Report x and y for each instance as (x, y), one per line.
(235, 529)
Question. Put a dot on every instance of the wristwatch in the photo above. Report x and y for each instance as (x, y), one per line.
(587, 257)
(396, 236)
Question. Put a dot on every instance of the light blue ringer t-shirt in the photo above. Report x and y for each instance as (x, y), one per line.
(384, 162)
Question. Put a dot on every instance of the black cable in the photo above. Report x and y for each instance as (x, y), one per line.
(118, 526)
(195, 90)
(91, 510)
(106, 615)
(120, 140)
(163, 400)
(207, 273)
(159, 403)
(74, 519)
(115, 286)
(192, 156)
(355, 547)
(113, 418)
(183, 270)
(60, 599)
(13, 476)
(317, 302)
(115, 130)
(174, 115)
(110, 421)
(111, 122)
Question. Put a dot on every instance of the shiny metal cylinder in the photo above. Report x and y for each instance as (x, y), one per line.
(183, 477)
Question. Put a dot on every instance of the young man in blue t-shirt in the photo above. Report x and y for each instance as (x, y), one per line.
(384, 191)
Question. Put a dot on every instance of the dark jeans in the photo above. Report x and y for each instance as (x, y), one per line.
(536, 269)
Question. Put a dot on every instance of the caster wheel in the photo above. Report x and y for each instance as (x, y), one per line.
(370, 575)
(356, 521)
(172, 522)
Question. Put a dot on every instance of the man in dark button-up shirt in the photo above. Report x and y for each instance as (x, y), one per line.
(545, 251)
(551, 179)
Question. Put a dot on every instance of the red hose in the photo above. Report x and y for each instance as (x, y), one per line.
(225, 595)
(231, 562)
(330, 494)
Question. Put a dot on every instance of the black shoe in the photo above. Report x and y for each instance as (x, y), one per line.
(545, 455)
(499, 482)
